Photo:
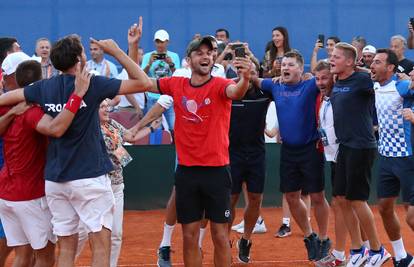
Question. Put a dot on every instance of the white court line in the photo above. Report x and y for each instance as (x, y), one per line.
(209, 263)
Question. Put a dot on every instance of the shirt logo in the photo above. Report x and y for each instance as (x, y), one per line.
(341, 89)
(59, 107)
(191, 106)
(227, 213)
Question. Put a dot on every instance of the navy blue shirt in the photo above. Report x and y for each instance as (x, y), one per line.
(248, 120)
(80, 152)
(295, 108)
(352, 102)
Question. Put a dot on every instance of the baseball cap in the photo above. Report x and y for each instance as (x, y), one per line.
(196, 43)
(161, 35)
(13, 60)
(369, 49)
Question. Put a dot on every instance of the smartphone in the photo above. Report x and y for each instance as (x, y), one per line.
(234, 46)
(321, 39)
(160, 56)
(239, 52)
(412, 22)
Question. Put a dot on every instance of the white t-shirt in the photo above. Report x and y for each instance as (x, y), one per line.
(217, 71)
(140, 97)
(327, 124)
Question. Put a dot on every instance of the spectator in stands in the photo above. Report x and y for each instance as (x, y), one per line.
(223, 35)
(410, 35)
(368, 54)
(397, 45)
(158, 64)
(43, 51)
(99, 65)
(330, 44)
(273, 56)
(359, 42)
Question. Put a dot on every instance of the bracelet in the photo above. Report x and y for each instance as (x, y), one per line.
(172, 65)
(73, 103)
(151, 129)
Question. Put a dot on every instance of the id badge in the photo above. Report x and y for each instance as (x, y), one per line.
(123, 156)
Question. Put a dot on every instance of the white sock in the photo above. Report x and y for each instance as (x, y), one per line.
(201, 237)
(166, 237)
(259, 220)
(340, 255)
(366, 244)
(399, 250)
(286, 221)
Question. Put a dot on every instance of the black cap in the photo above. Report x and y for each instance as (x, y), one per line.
(195, 44)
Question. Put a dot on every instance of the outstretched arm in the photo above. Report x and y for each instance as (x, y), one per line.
(238, 90)
(57, 126)
(12, 97)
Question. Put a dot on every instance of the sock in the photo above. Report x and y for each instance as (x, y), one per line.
(340, 255)
(399, 250)
(286, 221)
(166, 237)
(366, 244)
(201, 237)
(259, 220)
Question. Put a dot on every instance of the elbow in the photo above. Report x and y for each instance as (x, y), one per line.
(56, 132)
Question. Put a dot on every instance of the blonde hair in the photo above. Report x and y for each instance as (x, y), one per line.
(349, 50)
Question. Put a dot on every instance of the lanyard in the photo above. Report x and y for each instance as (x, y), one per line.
(325, 110)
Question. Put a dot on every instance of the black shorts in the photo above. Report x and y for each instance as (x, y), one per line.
(250, 169)
(302, 168)
(203, 191)
(353, 172)
(396, 174)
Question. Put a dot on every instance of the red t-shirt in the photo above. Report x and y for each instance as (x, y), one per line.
(202, 120)
(24, 149)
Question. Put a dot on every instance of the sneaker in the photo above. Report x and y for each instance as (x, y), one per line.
(406, 262)
(356, 259)
(283, 231)
(164, 257)
(377, 259)
(330, 261)
(324, 247)
(312, 246)
(244, 250)
(238, 226)
(259, 228)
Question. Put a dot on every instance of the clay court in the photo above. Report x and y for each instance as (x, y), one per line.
(143, 232)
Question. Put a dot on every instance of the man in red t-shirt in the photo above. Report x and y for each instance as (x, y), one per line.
(202, 105)
(23, 209)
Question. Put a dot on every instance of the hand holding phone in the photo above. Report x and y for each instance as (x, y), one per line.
(240, 52)
(321, 39)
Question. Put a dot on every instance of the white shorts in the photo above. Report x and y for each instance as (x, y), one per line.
(27, 222)
(89, 201)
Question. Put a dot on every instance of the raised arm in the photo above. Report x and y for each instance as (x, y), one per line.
(410, 41)
(314, 58)
(238, 90)
(57, 126)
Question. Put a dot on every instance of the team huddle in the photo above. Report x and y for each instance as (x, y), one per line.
(63, 155)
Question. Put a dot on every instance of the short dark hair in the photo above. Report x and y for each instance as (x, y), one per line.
(224, 30)
(66, 52)
(6, 44)
(322, 65)
(392, 58)
(295, 54)
(334, 38)
(28, 72)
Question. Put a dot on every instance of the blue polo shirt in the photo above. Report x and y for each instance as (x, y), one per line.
(295, 108)
(80, 153)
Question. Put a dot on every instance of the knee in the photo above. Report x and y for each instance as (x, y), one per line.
(220, 238)
(410, 220)
(255, 200)
(385, 208)
(292, 198)
(190, 237)
(318, 199)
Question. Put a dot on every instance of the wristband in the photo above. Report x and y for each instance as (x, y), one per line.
(151, 129)
(73, 103)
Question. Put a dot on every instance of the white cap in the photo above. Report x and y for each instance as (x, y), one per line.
(13, 60)
(161, 35)
(369, 49)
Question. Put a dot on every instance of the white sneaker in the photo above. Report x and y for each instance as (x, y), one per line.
(357, 259)
(378, 259)
(238, 226)
(259, 228)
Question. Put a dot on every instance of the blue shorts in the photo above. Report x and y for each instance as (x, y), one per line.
(2, 234)
(395, 175)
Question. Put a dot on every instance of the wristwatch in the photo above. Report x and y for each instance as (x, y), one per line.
(172, 65)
